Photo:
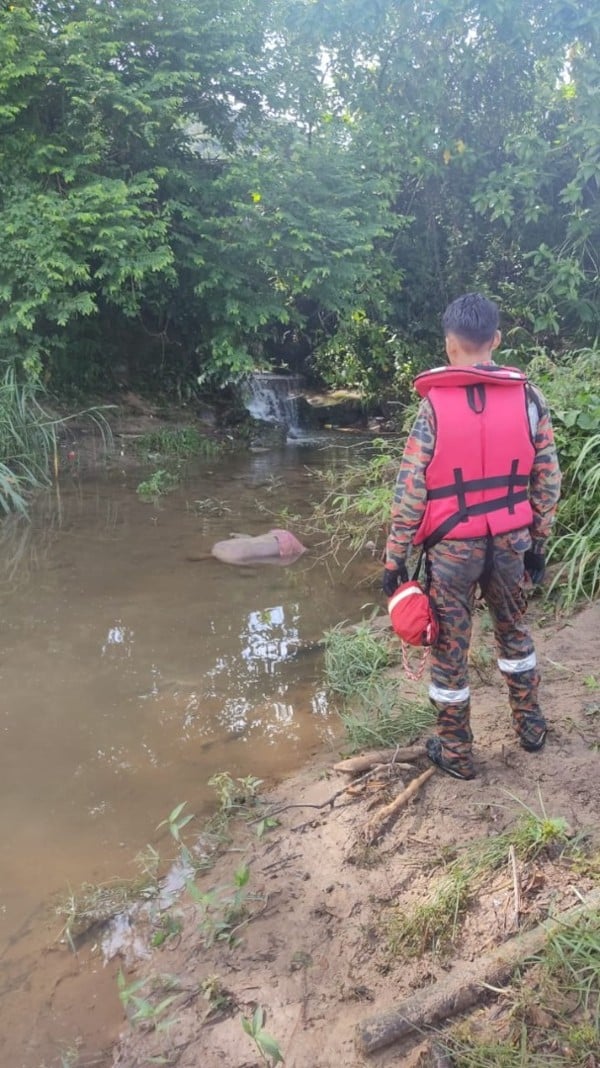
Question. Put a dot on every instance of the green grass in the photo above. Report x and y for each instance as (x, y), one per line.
(174, 447)
(353, 658)
(554, 1009)
(357, 498)
(434, 923)
(28, 440)
(530, 836)
(376, 711)
(381, 715)
(181, 443)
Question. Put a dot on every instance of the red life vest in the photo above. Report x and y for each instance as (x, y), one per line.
(478, 478)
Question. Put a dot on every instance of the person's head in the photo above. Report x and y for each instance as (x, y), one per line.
(471, 328)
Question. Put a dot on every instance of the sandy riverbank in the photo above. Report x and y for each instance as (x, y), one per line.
(314, 954)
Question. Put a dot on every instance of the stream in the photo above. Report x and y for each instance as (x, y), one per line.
(129, 676)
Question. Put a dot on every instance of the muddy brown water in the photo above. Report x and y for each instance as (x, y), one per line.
(129, 676)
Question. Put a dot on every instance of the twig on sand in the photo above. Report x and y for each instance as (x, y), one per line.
(374, 826)
(516, 884)
(329, 802)
(465, 985)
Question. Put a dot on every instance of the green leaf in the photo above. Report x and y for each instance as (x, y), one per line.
(270, 1046)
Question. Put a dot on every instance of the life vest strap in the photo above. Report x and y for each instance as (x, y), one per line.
(456, 489)
(482, 508)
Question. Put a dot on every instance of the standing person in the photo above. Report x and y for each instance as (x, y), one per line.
(477, 488)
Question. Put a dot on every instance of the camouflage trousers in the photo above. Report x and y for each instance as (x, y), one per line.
(456, 568)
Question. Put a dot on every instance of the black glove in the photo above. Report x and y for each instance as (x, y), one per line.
(535, 565)
(393, 575)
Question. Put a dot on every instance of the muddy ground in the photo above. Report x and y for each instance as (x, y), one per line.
(314, 953)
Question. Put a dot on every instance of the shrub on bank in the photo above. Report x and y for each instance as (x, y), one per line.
(571, 385)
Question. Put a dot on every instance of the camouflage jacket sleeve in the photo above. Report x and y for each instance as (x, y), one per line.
(410, 494)
(544, 482)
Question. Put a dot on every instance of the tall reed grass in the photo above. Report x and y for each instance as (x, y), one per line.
(27, 442)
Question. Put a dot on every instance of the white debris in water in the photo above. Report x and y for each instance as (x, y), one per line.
(128, 933)
(122, 937)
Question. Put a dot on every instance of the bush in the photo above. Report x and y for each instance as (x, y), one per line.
(572, 388)
(365, 356)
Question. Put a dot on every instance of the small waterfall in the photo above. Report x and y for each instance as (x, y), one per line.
(273, 398)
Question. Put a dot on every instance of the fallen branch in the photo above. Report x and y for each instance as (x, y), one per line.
(466, 984)
(374, 826)
(330, 801)
(355, 765)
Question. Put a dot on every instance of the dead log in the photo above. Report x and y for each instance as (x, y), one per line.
(465, 985)
(374, 826)
(356, 765)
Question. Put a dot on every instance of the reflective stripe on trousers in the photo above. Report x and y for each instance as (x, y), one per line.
(513, 667)
(449, 697)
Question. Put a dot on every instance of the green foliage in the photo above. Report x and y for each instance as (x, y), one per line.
(376, 710)
(364, 355)
(170, 927)
(432, 925)
(572, 387)
(174, 447)
(176, 821)
(223, 910)
(269, 823)
(355, 507)
(199, 187)
(267, 1046)
(158, 177)
(143, 1010)
(155, 487)
(181, 443)
(234, 794)
(27, 442)
(28, 439)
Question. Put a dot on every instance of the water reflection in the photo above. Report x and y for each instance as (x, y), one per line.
(119, 640)
(254, 686)
(269, 637)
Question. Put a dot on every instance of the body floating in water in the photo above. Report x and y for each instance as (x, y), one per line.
(275, 547)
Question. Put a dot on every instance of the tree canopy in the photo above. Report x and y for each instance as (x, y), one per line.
(191, 188)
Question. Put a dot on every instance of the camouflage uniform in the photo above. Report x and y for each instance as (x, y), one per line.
(458, 566)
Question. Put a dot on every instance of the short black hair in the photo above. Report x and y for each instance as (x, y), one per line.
(472, 317)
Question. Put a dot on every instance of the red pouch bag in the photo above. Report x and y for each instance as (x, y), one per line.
(412, 615)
